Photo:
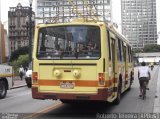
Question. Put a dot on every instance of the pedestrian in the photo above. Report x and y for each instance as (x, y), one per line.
(143, 74)
(21, 72)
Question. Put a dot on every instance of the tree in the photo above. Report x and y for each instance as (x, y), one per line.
(21, 60)
(151, 48)
(18, 52)
(137, 51)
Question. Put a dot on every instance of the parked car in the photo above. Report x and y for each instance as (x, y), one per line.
(28, 76)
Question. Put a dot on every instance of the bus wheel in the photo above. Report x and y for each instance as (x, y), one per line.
(118, 98)
(130, 83)
(3, 89)
(71, 101)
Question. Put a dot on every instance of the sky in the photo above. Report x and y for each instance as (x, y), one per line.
(5, 4)
(116, 8)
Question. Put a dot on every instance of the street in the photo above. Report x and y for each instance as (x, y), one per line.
(76, 59)
(20, 100)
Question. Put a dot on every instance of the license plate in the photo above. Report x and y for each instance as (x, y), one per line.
(67, 85)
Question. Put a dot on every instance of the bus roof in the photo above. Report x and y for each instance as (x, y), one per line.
(109, 26)
(117, 33)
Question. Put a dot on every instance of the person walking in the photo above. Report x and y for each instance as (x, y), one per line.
(21, 72)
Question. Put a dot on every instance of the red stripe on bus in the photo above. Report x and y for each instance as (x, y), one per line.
(83, 83)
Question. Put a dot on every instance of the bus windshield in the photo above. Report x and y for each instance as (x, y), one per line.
(69, 42)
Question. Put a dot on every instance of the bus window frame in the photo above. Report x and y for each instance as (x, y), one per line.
(119, 50)
(109, 44)
(124, 51)
(129, 53)
(100, 47)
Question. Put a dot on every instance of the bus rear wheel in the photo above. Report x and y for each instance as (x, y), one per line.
(3, 89)
(67, 101)
(130, 83)
(118, 98)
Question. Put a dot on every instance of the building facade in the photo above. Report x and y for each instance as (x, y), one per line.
(0, 44)
(64, 11)
(0, 36)
(17, 27)
(139, 23)
(3, 43)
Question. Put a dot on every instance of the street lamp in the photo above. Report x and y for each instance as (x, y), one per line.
(30, 30)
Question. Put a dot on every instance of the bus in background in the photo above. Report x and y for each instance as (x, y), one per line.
(6, 79)
(81, 61)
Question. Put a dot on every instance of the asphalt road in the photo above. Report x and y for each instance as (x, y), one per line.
(20, 101)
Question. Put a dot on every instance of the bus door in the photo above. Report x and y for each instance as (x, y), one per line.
(113, 60)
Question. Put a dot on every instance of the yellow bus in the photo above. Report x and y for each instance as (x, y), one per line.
(80, 61)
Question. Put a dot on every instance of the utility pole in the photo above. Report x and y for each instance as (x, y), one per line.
(30, 31)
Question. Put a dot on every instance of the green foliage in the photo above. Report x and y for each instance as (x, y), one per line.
(151, 48)
(20, 51)
(22, 60)
(137, 51)
(148, 48)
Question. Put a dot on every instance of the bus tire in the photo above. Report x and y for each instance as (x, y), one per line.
(68, 101)
(3, 89)
(118, 98)
(130, 83)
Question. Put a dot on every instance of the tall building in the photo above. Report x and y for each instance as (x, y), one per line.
(0, 44)
(64, 11)
(139, 23)
(17, 27)
(3, 44)
(6, 39)
(0, 36)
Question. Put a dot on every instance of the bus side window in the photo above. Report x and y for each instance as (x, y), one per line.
(119, 51)
(129, 54)
(122, 51)
(109, 45)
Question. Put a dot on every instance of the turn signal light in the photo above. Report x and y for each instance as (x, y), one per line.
(101, 79)
(34, 77)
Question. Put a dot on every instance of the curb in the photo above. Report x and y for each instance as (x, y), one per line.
(14, 87)
(156, 108)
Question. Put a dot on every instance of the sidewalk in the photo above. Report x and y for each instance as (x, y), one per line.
(157, 96)
(18, 82)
